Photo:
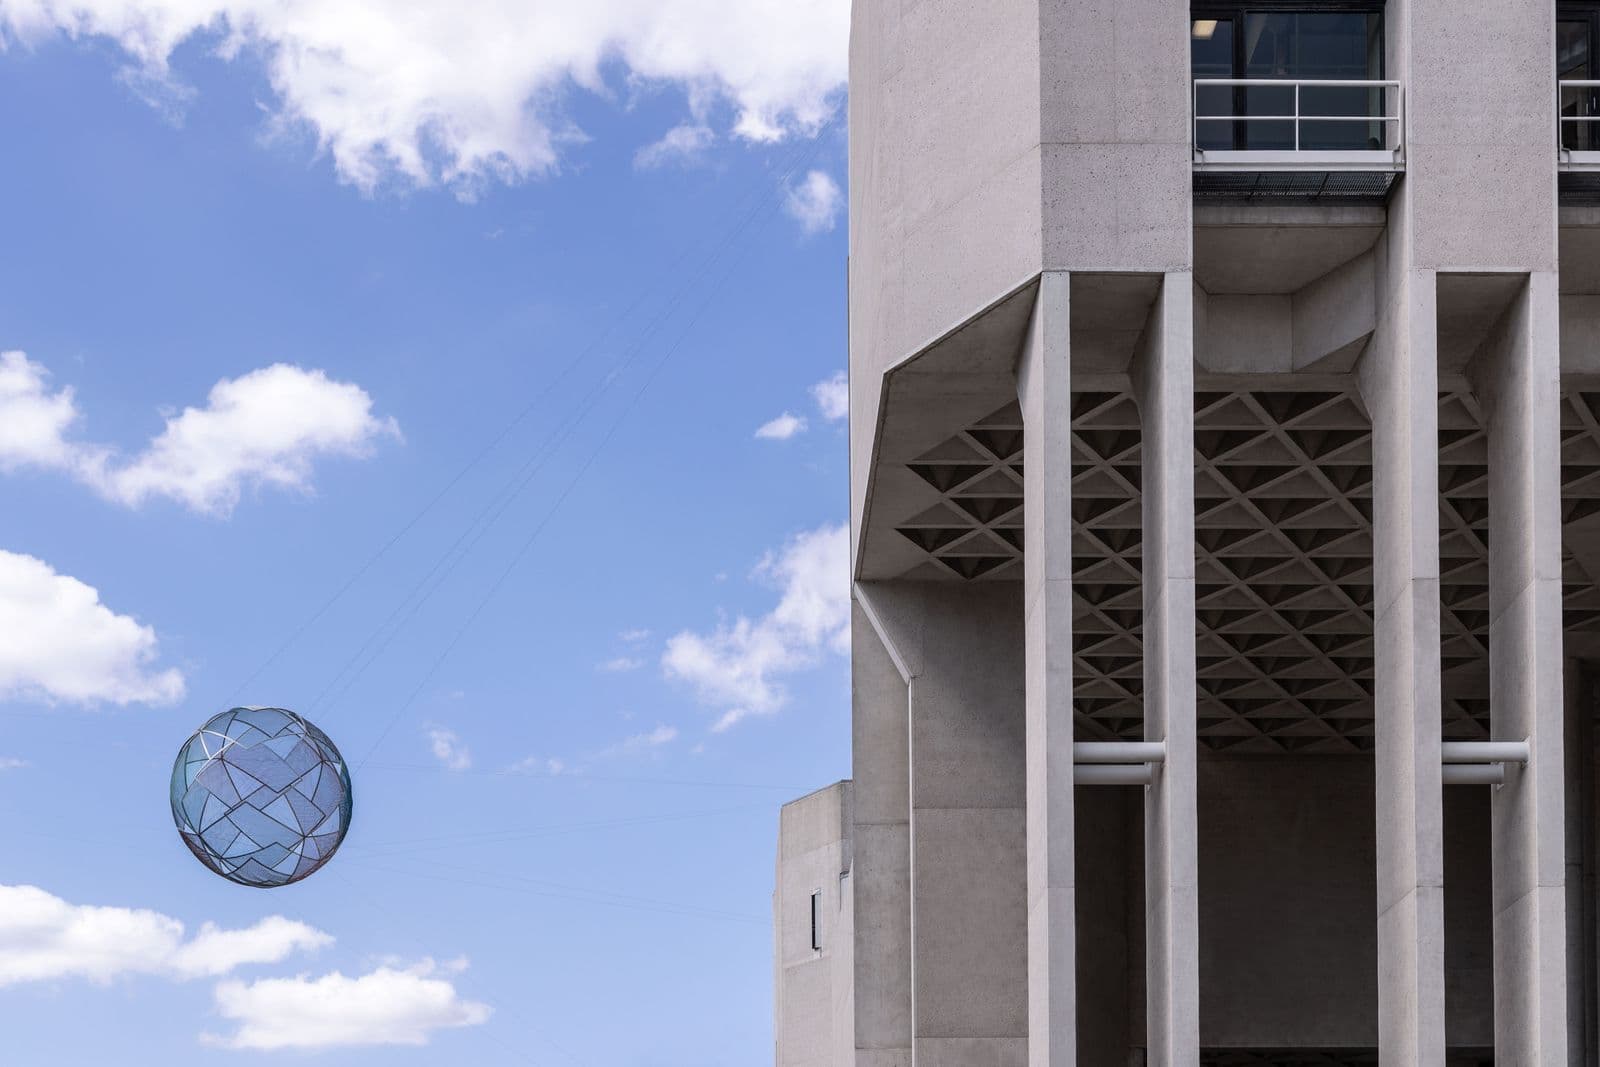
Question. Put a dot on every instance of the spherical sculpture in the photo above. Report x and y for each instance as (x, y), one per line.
(261, 796)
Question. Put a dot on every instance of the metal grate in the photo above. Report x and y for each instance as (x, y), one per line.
(1321, 187)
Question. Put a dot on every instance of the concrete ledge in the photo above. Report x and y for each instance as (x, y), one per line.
(1300, 215)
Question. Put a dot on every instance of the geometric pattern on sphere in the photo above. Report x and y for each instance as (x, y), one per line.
(261, 796)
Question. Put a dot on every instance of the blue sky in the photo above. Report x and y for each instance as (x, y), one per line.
(469, 385)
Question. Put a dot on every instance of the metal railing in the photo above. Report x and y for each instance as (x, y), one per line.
(1577, 134)
(1296, 124)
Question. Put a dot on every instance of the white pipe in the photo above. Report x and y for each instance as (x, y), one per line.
(1119, 751)
(1473, 774)
(1484, 751)
(1113, 774)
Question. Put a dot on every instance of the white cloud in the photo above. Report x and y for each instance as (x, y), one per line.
(63, 644)
(44, 938)
(387, 1006)
(448, 749)
(538, 765)
(682, 144)
(263, 428)
(633, 637)
(815, 202)
(463, 94)
(661, 735)
(621, 664)
(33, 420)
(781, 428)
(11, 763)
(266, 427)
(833, 396)
(735, 668)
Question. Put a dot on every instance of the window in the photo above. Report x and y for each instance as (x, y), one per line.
(1577, 27)
(816, 920)
(1268, 41)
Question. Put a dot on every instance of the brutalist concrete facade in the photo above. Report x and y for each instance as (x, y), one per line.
(1226, 555)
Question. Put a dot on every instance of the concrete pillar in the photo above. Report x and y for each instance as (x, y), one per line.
(881, 839)
(1399, 381)
(1517, 376)
(1043, 388)
(1164, 384)
(959, 647)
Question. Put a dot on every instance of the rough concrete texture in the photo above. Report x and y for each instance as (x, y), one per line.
(1517, 374)
(881, 872)
(1399, 382)
(813, 982)
(988, 144)
(1021, 226)
(960, 650)
(1044, 392)
(1164, 381)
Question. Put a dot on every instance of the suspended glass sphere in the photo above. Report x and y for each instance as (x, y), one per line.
(261, 796)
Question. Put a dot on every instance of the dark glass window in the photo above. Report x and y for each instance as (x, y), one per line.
(1211, 52)
(1262, 42)
(1575, 46)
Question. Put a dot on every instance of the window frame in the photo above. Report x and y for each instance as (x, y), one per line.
(1235, 14)
(1587, 13)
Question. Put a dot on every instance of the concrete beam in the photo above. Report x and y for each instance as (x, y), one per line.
(1517, 376)
(1164, 383)
(1399, 382)
(1043, 388)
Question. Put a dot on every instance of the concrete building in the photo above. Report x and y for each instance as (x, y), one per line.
(1225, 516)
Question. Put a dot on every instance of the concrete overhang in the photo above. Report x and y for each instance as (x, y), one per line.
(1281, 248)
(966, 376)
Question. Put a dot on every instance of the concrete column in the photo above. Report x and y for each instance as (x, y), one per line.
(959, 646)
(881, 865)
(1164, 383)
(1399, 380)
(1517, 375)
(1043, 388)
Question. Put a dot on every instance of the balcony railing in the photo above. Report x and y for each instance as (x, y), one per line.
(1578, 122)
(1274, 124)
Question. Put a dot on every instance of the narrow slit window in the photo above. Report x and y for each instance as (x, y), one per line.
(816, 919)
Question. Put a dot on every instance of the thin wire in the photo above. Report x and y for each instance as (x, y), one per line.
(423, 844)
(429, 506)
(507, 495)
(527, 543)
(573, 483)
(561, 499)
(585, 776)
(753, 189)
(550, 446)
(370, 900)
(572, 893)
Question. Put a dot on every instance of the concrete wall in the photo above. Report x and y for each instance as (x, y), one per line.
(1115, 134)
(881, 873)
(958, 652)
(944, 181)
(1342, 902)
(991, 141)
(1480, 185)
(1287, 934)
(813, 986)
